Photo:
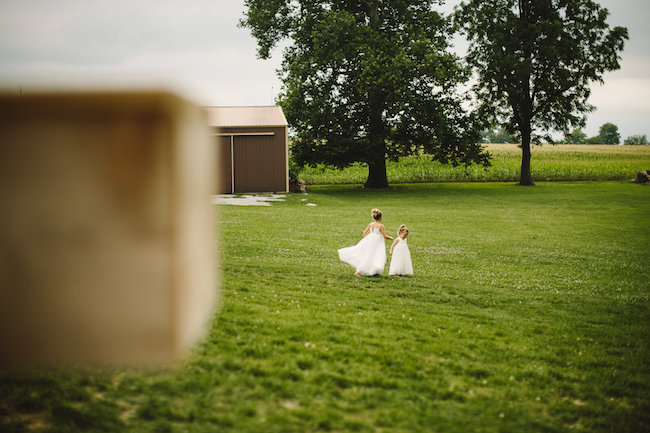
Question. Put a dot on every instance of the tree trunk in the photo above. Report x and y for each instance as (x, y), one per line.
(377, 174)
(524, 112)
(525, 178)
(377, 159)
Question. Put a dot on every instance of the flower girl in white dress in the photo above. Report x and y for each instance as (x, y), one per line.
(368, 257)
(400, 263)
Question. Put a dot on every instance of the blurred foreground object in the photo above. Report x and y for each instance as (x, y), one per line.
(106, 228)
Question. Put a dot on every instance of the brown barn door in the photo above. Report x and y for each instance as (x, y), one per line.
(224, 164)
(259, 164)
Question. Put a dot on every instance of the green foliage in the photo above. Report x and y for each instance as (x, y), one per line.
(577, 136)
(536, 60)
(594, 140)
(498, 135)
(528, 312)
(608, 134)
(367, 80)
(636, 139)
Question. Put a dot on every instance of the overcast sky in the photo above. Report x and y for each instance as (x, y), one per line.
(194, 48)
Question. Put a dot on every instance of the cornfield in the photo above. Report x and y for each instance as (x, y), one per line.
(548, 163)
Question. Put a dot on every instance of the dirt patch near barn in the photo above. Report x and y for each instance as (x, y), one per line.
(248, 199)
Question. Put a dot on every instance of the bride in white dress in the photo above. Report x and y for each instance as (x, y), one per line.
(400, 263)
(368, 256)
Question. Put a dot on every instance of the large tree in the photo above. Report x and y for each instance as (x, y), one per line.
(536, 60)
(364, 80)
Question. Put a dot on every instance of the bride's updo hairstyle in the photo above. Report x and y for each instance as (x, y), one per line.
(376, 214)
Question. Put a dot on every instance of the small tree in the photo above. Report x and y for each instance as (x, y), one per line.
(636, 139)
(498, 135)
(594, 140)
(577, 136)
(608, 134)
(536, 60)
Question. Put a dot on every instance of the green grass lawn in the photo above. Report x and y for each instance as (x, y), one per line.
(529, 311)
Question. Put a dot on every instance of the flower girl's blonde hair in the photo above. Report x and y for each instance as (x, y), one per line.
(376, 214)
(403, 229)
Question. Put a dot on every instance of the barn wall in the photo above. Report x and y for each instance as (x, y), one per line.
(223, 164)
(260, 160)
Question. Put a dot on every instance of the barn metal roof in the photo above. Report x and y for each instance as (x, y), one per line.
(229, 117)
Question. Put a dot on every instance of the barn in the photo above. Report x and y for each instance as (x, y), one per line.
(252, 144)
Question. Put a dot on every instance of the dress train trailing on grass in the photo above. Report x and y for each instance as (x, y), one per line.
(368, 256)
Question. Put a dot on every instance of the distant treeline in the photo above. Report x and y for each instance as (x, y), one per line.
(608, 134)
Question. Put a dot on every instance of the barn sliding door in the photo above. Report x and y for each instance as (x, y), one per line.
(259, 164)
(255, 162)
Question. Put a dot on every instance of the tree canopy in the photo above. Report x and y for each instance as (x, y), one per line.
(608, 134)
(577, 136)
(368, 79)
(536, 60)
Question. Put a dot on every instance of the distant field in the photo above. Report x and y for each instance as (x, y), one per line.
(549, 163)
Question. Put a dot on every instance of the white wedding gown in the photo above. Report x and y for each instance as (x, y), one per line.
(400, 263)
(368, 256)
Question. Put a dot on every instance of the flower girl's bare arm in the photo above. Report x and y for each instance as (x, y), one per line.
(393, 246)
(383, 232)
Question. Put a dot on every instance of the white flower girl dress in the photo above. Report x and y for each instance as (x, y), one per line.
(401, 264)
